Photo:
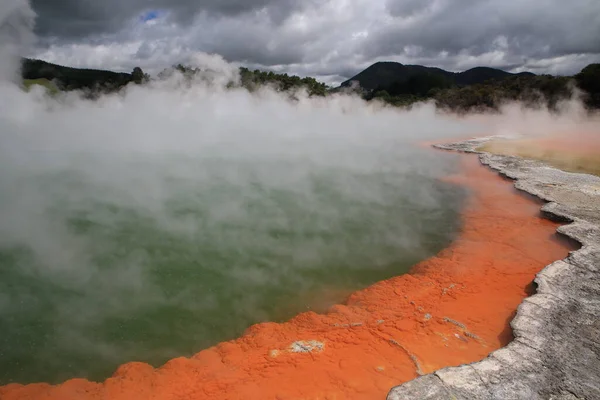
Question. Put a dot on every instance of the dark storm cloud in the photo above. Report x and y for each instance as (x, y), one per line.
(323, 37)
(76, 18)
(536, 28)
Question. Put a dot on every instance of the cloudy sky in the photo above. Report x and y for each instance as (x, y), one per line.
(329, 39)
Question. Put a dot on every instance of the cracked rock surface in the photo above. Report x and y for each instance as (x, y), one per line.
(556, 350)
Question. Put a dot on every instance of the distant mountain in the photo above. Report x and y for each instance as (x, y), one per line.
(386, 73)
(98, 81)
(67, 78)
(478, 89)
(393, 83)
(477, 75)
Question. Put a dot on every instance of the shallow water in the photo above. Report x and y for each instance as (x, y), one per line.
(182, 252)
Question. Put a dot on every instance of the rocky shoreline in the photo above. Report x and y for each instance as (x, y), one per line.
(556, 350)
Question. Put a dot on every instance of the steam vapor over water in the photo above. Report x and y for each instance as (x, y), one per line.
(16, 33)
(152, 224)
(156, 222)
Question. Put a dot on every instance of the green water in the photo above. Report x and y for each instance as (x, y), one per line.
(163, 259)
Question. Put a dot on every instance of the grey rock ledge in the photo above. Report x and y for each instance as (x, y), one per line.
(556, 350)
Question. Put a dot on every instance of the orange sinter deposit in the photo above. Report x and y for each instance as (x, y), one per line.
(452, 309)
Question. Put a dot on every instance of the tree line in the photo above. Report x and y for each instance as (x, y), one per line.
(532, 90)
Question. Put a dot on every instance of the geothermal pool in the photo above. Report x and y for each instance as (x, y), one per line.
(117, 253)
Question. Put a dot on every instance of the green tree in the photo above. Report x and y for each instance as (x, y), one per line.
(138, 75)
(588, 80)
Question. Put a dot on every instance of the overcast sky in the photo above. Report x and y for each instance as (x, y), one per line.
(328, 39)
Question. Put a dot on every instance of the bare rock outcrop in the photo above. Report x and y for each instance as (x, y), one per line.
(556, 350)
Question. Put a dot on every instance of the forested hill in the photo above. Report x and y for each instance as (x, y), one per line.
(97, 81)
(384, 74)
(67, 78)
(398, 85)
(477, 89)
